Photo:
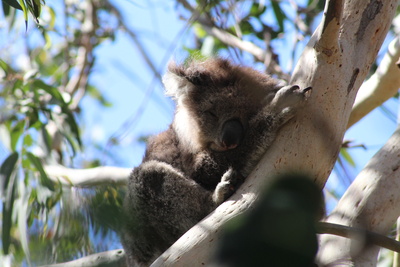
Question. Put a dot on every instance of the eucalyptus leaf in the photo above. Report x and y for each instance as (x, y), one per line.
(347, 157)
(6, 171)
(7, 168)
(25, 11)
(43, 176)
(13, 3)
(279, 15)
(51, 90)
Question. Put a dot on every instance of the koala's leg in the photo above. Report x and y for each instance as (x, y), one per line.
(230, 181)
(160, 206)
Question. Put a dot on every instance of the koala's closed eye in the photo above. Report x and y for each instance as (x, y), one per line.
(211, 113)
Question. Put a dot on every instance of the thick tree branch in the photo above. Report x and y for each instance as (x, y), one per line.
(371, 202)
(381, 86)
(311, 142)
(88, 177)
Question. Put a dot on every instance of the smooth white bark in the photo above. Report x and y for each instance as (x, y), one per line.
(381, 86)
(112, 258)
(88, 177)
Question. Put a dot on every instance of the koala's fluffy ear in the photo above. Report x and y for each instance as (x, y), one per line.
(175, 81)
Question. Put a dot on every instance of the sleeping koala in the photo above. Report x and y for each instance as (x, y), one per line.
(227, 116)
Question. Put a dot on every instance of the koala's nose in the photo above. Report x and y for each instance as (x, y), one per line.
(232, 134)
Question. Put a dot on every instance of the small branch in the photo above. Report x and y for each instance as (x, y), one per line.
(366, 236)
(88, 177)
(84, 59)
(112, 258)
(234, 41)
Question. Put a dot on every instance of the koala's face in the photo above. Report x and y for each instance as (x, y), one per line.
(222, 116)
(216, 102)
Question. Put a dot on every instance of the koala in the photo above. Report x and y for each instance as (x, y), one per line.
(226, 117)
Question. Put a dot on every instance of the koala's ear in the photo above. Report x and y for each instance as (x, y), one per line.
(176, 83)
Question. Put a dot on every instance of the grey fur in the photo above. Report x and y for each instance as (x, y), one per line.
(227, 117)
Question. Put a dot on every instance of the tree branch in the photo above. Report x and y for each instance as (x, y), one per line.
(329, 40)
(88, 177)
(381, 86)
(359, 234)
(371, 202)
(112, 258)
(234, 41)
(309, 143)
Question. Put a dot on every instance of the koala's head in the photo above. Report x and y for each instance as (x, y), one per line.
(216, 101)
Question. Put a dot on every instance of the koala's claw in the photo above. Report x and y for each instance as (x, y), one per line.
(290, 97)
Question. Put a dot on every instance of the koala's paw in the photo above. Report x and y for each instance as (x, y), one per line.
(227, 186)
(289, 98)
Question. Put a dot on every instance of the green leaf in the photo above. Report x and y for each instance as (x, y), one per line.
(12, 3)
(46, 138)
(246, 27)
(35, 8)
(6, 171)
(70, 120)
(43, 176)
(52, 22)
(7, 167)
(4, 66)
(53, 91)
(93, 92)
(6, 9)
(257, 9)
(199, 31)
(71, 142)
(25, 10)
(28, 141)
(347, 157)
(16, 133)
(279, 15)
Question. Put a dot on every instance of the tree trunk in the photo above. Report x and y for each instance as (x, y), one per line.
(334, 63)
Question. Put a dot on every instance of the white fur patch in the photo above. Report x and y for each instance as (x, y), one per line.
(176, 86)
(187, 129)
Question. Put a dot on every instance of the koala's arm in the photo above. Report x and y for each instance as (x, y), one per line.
(265, 125)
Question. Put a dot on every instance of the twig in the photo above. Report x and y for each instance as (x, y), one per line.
(359, 234)
(234, 41)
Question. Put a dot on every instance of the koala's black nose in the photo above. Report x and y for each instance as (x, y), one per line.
(232, 134)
